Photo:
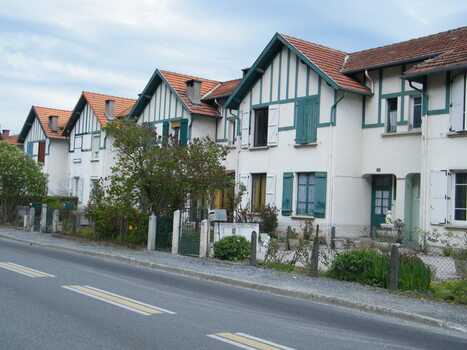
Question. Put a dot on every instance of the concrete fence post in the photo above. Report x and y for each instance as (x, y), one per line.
(75, 222)
(287, 237)
(394, 273)
(32, 216)
(253, 243)
(204, 239)
(152, 227)
(43, 218)
(175, 231)
(333, 237)
(25, 222)
(314, 263)
(55, 220)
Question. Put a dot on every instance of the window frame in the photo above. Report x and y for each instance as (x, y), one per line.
(95, 152)
(389, 126)
(412, 106)
(454, 197)
(260, 130)
(262, 177)
(309, 211)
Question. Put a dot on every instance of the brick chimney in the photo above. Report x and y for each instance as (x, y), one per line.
(5, 134)
(110, 109)
(193, 91)
(53, 123)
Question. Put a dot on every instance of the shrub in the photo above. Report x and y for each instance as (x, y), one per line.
(232, 248)
(268, 220)
(451, 290)
(414, 274)
(361, 265)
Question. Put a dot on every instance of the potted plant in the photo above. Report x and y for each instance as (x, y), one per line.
(293, 239)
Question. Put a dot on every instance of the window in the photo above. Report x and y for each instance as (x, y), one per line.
(78, 142)
(30, 148)
(258, 198)
(306, 194)
(231, 132)
(307, 117)
(391, 118)
(460, 197)
(261, 128)
(416, 112)
(95, 146)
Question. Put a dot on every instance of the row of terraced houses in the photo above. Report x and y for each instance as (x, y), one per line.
(317, 132)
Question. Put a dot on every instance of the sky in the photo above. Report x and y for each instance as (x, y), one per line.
(52, 50)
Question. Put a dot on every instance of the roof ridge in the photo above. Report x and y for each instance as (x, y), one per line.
(409, 40)
(190, 76)
(310, 42)
(55, 109)
(100, 94)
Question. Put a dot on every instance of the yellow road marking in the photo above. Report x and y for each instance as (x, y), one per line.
(246, 341)
(118, 300)
(24, 270)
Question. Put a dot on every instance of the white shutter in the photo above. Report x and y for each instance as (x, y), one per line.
(271, 189)
(457, 104)
(245, 180)
(438, 205)
(273, 125)
(80, 190)
(245, 129)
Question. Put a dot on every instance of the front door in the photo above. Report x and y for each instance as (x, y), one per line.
(381, 192)
(412, 216)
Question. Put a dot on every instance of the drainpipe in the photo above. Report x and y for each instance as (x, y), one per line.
(371, 80)
(331, 149)
(424, 172)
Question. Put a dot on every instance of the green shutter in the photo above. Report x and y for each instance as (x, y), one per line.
(30, 148)
(307, 112)
(320, 194)
(165, 132)
(287, 190)
(184, 131)
(300, 123)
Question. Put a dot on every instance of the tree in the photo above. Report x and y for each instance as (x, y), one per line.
(158, 174)
(20, 176)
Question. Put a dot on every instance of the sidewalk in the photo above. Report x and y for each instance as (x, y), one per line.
(323, 290)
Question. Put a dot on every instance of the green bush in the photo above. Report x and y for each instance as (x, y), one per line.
(268, 220)
(414, 274)
(232, 248)
(361, 265)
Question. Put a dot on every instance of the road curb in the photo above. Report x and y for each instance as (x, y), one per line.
(307, 296)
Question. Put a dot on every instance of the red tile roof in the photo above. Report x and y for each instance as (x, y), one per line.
(223, 89)
(43, 114)
(178, 83)
(328, 60)
(97, 103)
(451, 44)
(13, 140)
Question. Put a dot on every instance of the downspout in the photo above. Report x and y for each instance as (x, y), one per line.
(371, 80)
(237, 118)
(220, 111)
(424, 178)
(331, 150)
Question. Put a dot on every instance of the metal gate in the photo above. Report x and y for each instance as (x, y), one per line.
(190, 229)
(37, 215)
(164, 228)
(49, 219)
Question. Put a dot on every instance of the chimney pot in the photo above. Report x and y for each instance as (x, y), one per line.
(5, 134)
(110, 109)
(193, 91)
(245, 71)
(53, 123)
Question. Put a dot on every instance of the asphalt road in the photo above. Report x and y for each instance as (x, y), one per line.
(58, 300)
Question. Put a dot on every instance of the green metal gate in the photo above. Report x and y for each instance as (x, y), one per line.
(37, 215)
(190, 229)
(49, 219)
(164, 227)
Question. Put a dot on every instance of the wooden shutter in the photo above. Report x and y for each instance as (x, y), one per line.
(165, 132)
(307, 119)
(320, 194)
(41, 152)
(458, 104)
(439, 198)
(80, 190)
(245, 129)
(287, 194)
(245, 180)
(273, 125)
(271, 189)
(184, 131)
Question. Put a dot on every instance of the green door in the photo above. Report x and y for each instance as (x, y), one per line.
(412, 215)
(381, 193)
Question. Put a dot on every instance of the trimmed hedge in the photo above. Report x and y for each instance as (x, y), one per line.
(232, 248)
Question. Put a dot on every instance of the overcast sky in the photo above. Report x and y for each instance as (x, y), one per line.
(51, 50)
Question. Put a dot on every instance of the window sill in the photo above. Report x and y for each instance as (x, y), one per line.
(457, 134)
(95, 160)
(456, 226)
(302, 217)
(77, 160)
(259, 148)
(304, 145)
(402, 133)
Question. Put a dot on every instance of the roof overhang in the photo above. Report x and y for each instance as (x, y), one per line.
(28, 124)
(418, 76)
